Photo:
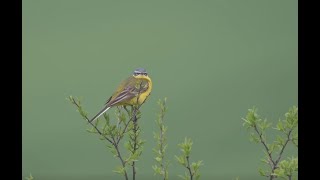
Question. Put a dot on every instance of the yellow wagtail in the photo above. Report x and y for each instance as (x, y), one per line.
(132, 91)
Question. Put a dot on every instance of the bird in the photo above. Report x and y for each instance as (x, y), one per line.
(132, 91)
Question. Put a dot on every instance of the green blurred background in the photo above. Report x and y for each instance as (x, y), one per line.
(213, 60)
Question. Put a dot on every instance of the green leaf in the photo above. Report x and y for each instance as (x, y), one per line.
(279, 141)
(279, 172)
(183, 177)
(254, 138)
(128, 146)
(119, 170)
(113, 151)
(197, 176)
(246, 122)
(280, 126)
(262, 172)
(196, 165)
(165, 147)
(106, 118)
(264, 161)
(181, 160)
(89, 130)
(133, 157)
(200, 163)
(271, 147)
(30, 177)
(264, 125)
(158, 159)
(186, 146)
(292, 117)
(83, 113)
(156, 169)
(101, 137)
(287, 167)
(193, 165)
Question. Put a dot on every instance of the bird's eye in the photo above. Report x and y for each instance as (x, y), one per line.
(145, 74)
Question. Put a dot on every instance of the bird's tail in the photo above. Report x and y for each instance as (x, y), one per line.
(100, 113)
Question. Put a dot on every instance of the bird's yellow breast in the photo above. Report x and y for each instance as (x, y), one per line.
(143, 95)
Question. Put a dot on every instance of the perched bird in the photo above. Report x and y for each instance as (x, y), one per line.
(132, 91)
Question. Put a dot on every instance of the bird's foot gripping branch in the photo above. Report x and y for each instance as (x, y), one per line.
(114, 130)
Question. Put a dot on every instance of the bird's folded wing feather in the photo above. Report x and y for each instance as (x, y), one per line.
(128, 89)
(124, 95)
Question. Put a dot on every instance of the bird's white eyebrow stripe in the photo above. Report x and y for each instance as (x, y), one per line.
(138, 72)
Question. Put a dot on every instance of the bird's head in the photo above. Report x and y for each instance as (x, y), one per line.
(140, 72)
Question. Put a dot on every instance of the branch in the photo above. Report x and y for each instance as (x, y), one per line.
(283, 147)
(160, 137)
(162, 141)
(135, 129)
(265, 146)
(189, 168)
(112, 141)
(115, 139)
(162, 149)
(125, 127)
(277, 168)
(121, 159)
(273, 163)
(85, 116)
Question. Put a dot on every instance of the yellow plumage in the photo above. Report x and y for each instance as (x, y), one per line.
(132, 91)
(143, 95)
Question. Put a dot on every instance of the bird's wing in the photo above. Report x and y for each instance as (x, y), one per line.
(126, 94)
(120, 88)
(130, 88)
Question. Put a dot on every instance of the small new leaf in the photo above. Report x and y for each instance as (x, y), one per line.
(30, 177)
(119, 170)
(254, 138)
(262, 172)
(158, 159)
(181, 160)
